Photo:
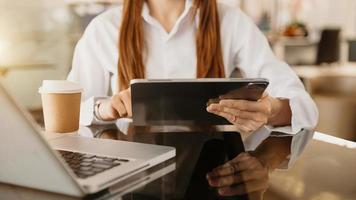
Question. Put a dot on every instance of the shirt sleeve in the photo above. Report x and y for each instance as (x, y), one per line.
(254, 57)
(299, 141)
(88, 70)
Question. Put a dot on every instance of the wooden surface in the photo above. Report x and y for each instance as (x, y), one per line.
(312, 71)
(325, 171)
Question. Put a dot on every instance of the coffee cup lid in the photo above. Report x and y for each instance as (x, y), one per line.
(59, 86)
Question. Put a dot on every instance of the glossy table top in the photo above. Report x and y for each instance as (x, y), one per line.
(312, 71)
(326, 170)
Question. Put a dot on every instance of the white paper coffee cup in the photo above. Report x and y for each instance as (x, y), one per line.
(61, 105)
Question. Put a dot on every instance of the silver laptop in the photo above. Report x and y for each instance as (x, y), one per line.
(67, 164)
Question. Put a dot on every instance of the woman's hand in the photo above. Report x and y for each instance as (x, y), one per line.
(118, 106)
(245, 174)
(249, 116)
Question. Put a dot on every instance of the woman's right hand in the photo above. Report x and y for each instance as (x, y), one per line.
(118, 106)
(245, 174)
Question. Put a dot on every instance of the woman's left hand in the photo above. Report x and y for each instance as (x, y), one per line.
(245, 174)
(247, 116)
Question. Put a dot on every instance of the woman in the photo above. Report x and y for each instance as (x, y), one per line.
(191, 39)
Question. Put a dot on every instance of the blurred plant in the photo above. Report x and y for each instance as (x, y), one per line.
(296, 29)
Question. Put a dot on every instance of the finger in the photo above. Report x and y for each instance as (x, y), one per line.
(229, 168)
(126, 99)
(218, 110)
(231, 111)
(253, 174)
(225, 115)
(248, 125)
(212, 101)
(214, 107)
(242, 125)
(107, 110)
(245, 163)
(221, 108)
(241, 157)
(250, 120)
(255, 116)
(242, 129)
(225, 181)
(246, 188)
(251, 106)
(119, 106)
(264, 95)
(240, 177)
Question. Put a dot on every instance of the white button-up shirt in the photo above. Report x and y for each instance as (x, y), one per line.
(173, 55)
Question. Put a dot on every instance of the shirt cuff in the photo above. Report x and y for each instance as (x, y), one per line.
(304, 113)
(87, 116)
(299, 142)
(303, 122)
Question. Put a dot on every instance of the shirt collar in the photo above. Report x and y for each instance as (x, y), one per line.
(188, 6)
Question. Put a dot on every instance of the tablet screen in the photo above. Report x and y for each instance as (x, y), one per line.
(184, 102)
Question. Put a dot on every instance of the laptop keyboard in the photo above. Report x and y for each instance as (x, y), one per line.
(86, 165)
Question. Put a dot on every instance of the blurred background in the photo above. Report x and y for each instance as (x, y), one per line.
(316, 37)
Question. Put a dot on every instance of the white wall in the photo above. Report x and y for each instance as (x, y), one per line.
(316, 13)
(324, 13)
(40, 30)
(34, 30)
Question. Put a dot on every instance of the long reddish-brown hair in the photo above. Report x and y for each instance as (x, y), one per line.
(132, 46)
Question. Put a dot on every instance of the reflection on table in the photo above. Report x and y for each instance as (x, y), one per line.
(333, 90)
(324, 171)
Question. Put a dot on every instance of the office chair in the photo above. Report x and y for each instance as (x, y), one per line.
(352, 50)
(329, 47)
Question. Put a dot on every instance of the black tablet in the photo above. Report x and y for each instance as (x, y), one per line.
(184, 102)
